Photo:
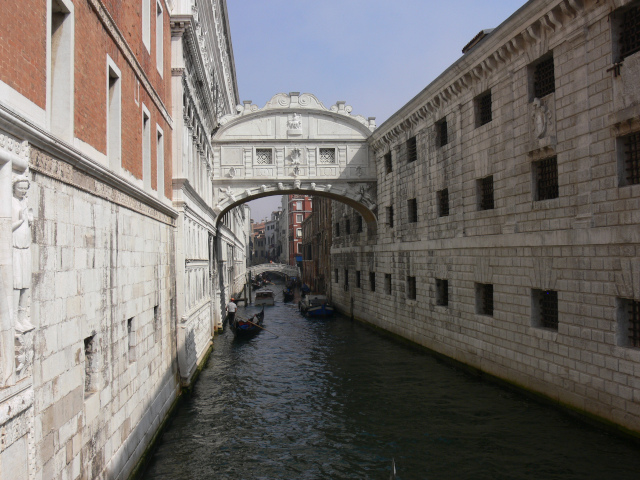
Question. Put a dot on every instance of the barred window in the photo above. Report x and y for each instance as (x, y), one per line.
(442, 138)
(411, 288)
(336, 275)
(387, 283)
(359, 224)
(327, 155)
(483, 108)
(630, 165)
(545, 308)
(442, 292)
(357, 278)
(412, 150)
(484, 299)
(443, 203)
(390, 216)
(485, 187)
(347, 226)
(337, 229)
(544, 80)
(546, 178)
(372, 281)
(264, 156)
(629, 42)
(346, 279)
(412, 207)
(388, 166)
(628, 322)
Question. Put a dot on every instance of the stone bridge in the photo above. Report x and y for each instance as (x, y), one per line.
(294, 144)
(283, 268)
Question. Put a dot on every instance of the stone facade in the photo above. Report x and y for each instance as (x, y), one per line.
(508, 225)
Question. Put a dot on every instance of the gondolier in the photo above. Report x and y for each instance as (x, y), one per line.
(231, 310)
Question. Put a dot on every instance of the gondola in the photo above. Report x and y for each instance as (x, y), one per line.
(247, 327)
(287, 293)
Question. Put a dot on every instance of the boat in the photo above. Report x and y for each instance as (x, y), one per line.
(242, 327)
(314, 305)
(264, 297)
(287, 294)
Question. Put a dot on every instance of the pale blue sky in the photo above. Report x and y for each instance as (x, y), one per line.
(374, 54)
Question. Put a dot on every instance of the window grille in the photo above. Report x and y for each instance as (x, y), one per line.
(327, 155)
(544, 80)
(633, 311)
(632, 158)
(411, 288)
(359, 224)
(485, 300)
(412, 150)
(412, 205)
(548, 304)
(547, 178)
(483, 104)
(486, 193)
(441, 133)
(387, 283)
(372, 281)
(630, 32)
(337, 229)
(357, 278)
(442, 292)
(347, 226)
(336, 275)
(346, 279)
(390, 216)
(443, 202)
(263, 156)
(387, 163)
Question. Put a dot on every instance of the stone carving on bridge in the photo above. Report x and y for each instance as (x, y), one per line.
(296, 155)
(21, 220)
(294, 124)
(232, 172)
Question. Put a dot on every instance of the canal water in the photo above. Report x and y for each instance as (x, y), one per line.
(332, 399)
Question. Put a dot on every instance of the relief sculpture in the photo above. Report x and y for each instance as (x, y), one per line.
(21, 220)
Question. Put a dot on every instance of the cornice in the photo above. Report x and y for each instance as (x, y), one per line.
(526, 27)
(111, 27)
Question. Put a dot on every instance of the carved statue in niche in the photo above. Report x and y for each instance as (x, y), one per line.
(541, 118)
(21, 219)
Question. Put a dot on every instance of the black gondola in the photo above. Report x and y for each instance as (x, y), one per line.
(247, 327)
(287, 293)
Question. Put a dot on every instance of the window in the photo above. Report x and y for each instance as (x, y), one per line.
(544, 308)
(298, 218)
(358, 223)
(298, 248)
(337, 229)
(390, 216)
(299, 232)
(412, 150)
(131, 336)
(628, 331)
(412, 208)
(114, 116)
(483, 108)
(299, 206)
(157, 326)
(60, 115)
(357, 278)
(544, 80)
(545, 177)
(336, 275)
(90, 366)
(388, 166)
(443, 202)
(146, 24)
(264, 156)
(485, 193)
(346, 279)
(442, 292)
(629, 28)
(146, 148)
(372, 281)
(387, 283)
(327, 155)
(411, 288)
(441, 133)
(484, 299)
(629, 163)
(160, 162)
(159, 38)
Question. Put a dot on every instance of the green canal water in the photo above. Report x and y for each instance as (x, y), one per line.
(332, 399)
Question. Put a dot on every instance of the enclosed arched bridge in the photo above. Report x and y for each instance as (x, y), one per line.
(283, 268)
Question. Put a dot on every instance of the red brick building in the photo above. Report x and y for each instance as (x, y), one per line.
(299, 208)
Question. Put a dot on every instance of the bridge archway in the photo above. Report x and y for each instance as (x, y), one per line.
(295, 145)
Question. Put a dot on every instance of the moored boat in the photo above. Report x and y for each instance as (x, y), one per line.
(242, 327)
(314, 305)
(287, 294)
(264, 297)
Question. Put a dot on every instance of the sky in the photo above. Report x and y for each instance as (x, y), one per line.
(374, 54)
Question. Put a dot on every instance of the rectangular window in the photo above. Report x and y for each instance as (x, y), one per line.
(299, 233)
(544, 309)
(60, 115)
(390, 216)
(358, 223)
(346, 279)
(160, 162)
(629, 40)
(337, 229)
(441, 133)
(483, 108)
(387, 283)
(442, 292)
(298, 248)
(628, 331)
(157, 326)
(146, 148)
(264, 156)
(131, 339)
(90, 365)
(159, 38)
(443, 202)
(327, 155)
(412, 208)
(146, 24)
(411, 288)
(629, 164)
(299, 206)
(357, 278)
(372, 281)
(336, 275)
(544, 80)
(388, 166)
(114, 117)
(484, 299)
(485, 193)
(412, 150)
(298, 218)
(545, 178)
